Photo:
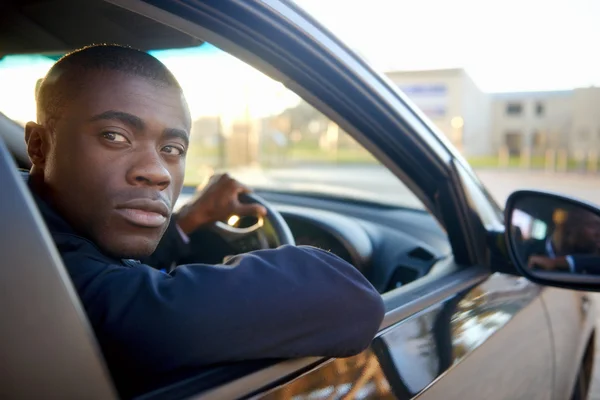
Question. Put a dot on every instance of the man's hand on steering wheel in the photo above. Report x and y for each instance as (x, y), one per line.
(548, 263)
(216, 201)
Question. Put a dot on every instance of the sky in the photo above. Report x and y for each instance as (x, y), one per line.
(508, 45)
(214, 83)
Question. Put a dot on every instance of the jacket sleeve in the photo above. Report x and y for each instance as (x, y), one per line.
(282, 303)
(586, 264)
(171, 248)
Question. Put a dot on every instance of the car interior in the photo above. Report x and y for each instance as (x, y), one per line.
(391, 245)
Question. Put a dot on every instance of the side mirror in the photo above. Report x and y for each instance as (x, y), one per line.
(554, 240)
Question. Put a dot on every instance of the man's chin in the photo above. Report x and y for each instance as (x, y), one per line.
(130, 248)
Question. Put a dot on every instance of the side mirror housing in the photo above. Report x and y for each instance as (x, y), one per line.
(554, 240)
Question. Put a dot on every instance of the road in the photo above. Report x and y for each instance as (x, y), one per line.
(379, 184)
(502, 183)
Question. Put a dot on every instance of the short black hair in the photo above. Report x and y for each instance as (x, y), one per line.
(64, 77)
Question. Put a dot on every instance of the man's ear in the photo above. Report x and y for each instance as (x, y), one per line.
(37, 138)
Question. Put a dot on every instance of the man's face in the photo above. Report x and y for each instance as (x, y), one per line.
(582, 232)
(116, 163)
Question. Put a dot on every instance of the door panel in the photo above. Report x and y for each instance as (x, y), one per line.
(491, 341)
(571, 325)
(513, 363)
(360, 376)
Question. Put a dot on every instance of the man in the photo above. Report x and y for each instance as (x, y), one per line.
(108, 153)
(552, 243)
(574, 263)
(572, 246)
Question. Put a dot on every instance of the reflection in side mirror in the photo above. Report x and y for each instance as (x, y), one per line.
(554, 240)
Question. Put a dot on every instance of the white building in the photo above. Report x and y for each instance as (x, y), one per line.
(585, 126)
(480, 123)
(540, 121)
(451, 99)
(534, 120)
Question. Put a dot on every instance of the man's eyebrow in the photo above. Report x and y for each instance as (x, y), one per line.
(174, 133)
(124, 117)
(136, 122)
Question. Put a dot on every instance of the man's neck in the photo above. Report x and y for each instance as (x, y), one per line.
(54, 220)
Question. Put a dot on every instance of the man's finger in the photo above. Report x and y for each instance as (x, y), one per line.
(251, 209)
(533, 261)
(242, 189)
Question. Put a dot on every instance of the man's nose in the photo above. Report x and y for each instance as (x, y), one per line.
(149, 170)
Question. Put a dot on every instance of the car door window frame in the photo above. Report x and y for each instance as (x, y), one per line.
(244, 31)
(365, 93)
(437, 186)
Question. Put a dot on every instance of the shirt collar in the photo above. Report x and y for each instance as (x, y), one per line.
(57, 224)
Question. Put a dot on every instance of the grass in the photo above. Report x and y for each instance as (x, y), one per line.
(199, 158)
(342, 156)
(494, 161)
(515, 162)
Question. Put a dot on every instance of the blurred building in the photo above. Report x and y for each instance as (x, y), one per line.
(585, 124)
(451, 99)
(531, 120)
(205, 131)
(479, 123)
(539, 121)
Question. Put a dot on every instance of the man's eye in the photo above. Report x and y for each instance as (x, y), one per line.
(174, 150)
(114, 137)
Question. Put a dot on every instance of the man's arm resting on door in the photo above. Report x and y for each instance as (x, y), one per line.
(283, 303)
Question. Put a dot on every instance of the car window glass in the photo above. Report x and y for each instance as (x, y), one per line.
(247, 124)
(490, 216)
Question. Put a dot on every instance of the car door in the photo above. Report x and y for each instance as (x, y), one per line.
(457, 332)
(462, 347)
(460, 331)
(572, 320)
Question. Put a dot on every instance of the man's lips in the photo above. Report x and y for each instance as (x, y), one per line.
(144, 212)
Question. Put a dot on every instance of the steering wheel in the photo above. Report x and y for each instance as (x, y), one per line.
(269, 232)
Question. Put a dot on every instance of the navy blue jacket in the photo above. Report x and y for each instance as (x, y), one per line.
(586, 263)
(283, 303)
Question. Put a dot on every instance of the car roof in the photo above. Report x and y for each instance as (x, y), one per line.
(55, 27)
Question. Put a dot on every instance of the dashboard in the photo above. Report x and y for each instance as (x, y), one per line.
(390, 246)
(307, 234)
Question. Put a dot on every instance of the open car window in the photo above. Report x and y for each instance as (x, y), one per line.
(258, 130)
(247, 124)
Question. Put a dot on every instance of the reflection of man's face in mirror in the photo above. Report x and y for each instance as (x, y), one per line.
(559, 216)
(581, 233)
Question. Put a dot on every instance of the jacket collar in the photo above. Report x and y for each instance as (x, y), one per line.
(54, 222)
(58, 226)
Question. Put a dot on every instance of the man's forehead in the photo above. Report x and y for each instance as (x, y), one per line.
(148, 99)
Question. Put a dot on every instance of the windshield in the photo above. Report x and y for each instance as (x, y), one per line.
(245, 123)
